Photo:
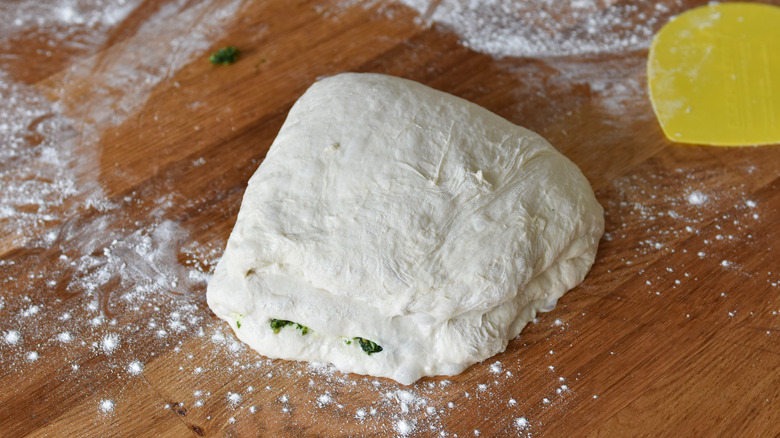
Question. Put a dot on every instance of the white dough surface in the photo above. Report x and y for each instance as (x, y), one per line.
(393, 212)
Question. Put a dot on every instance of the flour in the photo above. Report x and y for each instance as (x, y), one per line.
(11, 337)
(37, 180)
(545, 27)
(52, 180)
(109, 343)
(70, 18)
(697, 198)
(404, 427)
(135, 367)
(49, 153)
(30, 311)
(324, 399)
(234, 398)
(107, 406)
(408, 401)
(521, 423)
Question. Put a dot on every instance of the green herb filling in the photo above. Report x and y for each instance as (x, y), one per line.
(224, 56)
(278, 324)
(368, 346)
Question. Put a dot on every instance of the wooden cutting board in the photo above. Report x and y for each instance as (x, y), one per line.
(131, 154)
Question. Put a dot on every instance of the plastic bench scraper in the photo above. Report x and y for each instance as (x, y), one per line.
(714, 75)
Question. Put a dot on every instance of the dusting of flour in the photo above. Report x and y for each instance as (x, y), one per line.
(536, 28)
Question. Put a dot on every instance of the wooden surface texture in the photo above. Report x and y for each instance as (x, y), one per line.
(125, 158)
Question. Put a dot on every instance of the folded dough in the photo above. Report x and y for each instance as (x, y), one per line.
(398, 214)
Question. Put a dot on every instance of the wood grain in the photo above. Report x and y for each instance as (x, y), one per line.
(673, 333)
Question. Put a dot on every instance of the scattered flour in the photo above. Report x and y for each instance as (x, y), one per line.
(11, 337)
(324, 399)
(109, 343)
(50, 145)
(107, 405)
(697, 198)
(135, 367)
(521, 423)
(36, 180)
(547, 27)
(49, 153)
(30, 311)
(234, 398)
(404, 427)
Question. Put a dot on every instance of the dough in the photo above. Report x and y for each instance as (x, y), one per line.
(388, 214)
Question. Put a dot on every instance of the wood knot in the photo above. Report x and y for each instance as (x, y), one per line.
(179, 409)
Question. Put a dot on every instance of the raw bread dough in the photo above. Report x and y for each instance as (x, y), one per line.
(406, 216)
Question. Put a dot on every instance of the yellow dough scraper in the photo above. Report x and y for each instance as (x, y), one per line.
(714, 75)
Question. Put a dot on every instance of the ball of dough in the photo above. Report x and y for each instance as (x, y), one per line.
(388, 215)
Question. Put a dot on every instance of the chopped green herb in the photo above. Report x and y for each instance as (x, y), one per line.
(238, 323)
(347, 341)
(278, 324)
(368, 346)
(225, 56)
(239, 318)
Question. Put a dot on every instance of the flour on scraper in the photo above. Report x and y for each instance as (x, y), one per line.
(390, 215)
